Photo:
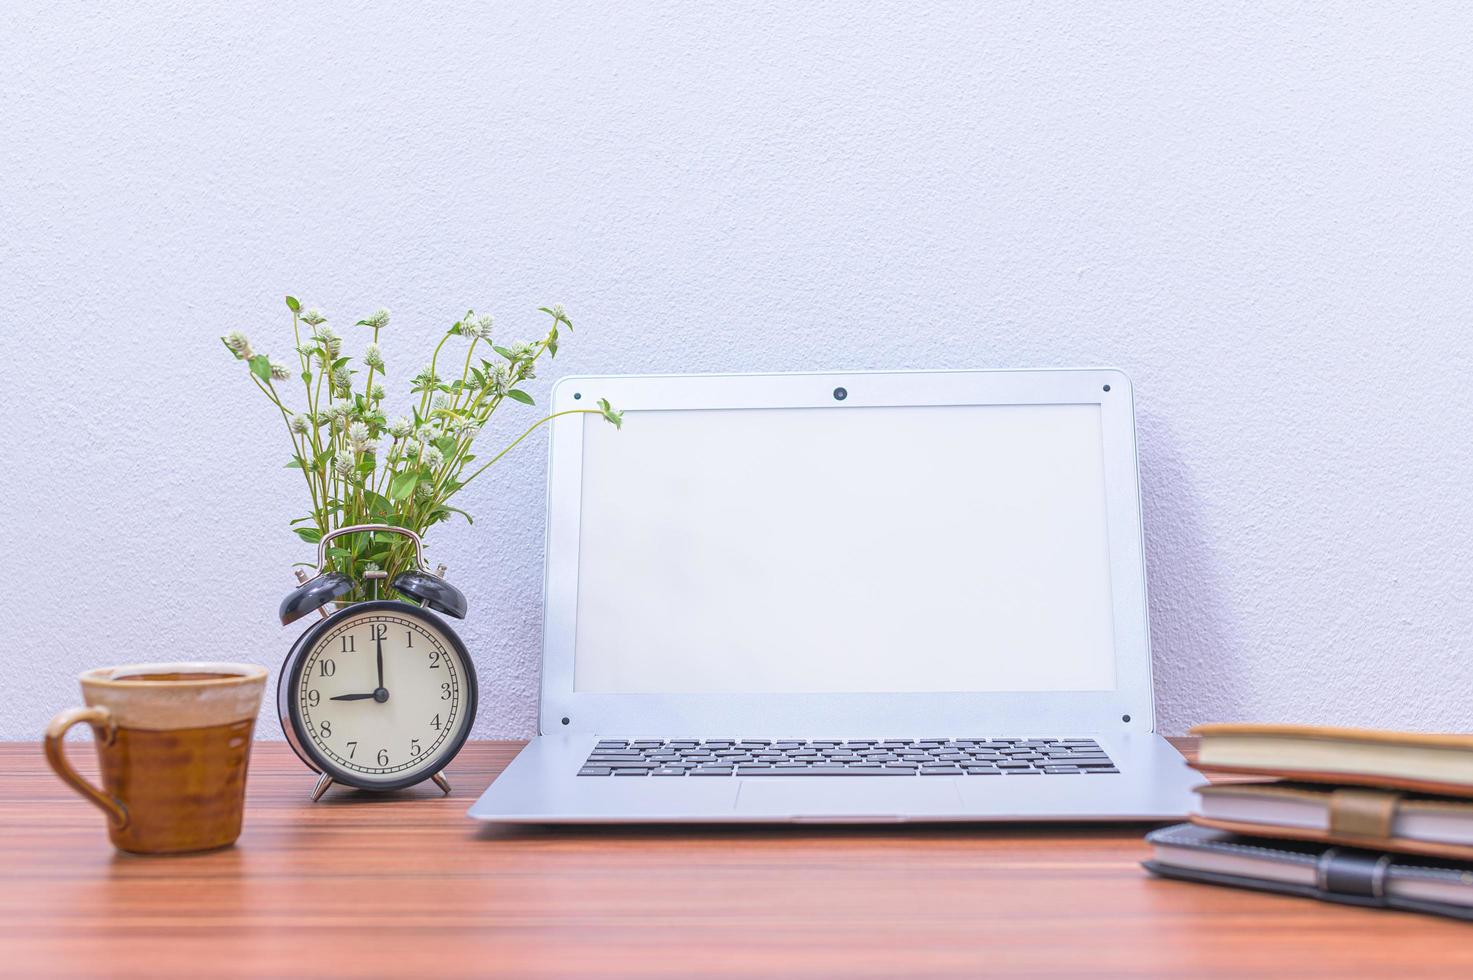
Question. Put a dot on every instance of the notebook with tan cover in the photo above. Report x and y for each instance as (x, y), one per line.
(1441, 764)
(1357, 816)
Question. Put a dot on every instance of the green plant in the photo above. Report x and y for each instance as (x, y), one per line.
(338, 439)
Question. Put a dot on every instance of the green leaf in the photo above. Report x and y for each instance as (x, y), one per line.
(504, 352)
(261, 367)
(376, 503)
(340, 362)
(611, 416)
(307, 376)
(403, 485)
(446, 444)
(552, 344)
(295, 464)
(293, 305)
(457, 510)
(518, 394)
(311, 535)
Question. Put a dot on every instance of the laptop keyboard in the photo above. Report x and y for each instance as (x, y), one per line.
(855, 757)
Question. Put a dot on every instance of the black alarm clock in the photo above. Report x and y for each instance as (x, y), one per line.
(378, 695)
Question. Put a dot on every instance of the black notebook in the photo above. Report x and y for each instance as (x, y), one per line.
(1326, 872)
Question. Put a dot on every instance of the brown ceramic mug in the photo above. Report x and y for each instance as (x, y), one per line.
(173, 741)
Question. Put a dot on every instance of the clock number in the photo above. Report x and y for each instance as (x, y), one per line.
(325, 728)
(383, 757)
(314, 698)
(434, 659)
(378, 631)
(436, 723)
(352, 747)
(445, 691)
(414, 748)
(326, 667)
(409, 638)
(347, 643)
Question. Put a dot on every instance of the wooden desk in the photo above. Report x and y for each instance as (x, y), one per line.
(406, 885)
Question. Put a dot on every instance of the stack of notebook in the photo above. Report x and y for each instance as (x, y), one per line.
(1361, 817)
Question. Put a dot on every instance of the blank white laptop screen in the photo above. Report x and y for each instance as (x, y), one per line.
(845, 549)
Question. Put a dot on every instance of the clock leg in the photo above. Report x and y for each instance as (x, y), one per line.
(442, 782)
(323, 782)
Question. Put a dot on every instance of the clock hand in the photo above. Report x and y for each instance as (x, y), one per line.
(352, 697)
(379, 643)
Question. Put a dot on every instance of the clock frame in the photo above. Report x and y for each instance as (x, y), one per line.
(295, 726)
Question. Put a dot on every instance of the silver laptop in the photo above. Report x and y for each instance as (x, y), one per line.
(849, 597)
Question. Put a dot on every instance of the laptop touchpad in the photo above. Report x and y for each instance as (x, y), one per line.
(848, 796)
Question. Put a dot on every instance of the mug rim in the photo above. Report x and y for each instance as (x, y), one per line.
(240, 673)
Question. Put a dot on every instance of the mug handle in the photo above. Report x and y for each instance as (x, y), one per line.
(102, 725)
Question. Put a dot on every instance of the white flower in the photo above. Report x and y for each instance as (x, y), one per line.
(402, 427)
(238, 345)
(376, 393)
(424, 491)
(358, 434)
(440, 404)
(342, 380)
(467, 428)
(478, 327)
(343, 462)
(559, 312)
(373, 356)
(499, 380)
(432, 456)
(313, 317)
(300, 424)
(279, 371)
(337, 414)
(329, 340)
(378, 320)
(426, 433)
(522, 350)
(425, 379)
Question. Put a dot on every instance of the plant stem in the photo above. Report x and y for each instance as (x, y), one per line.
(533, 428)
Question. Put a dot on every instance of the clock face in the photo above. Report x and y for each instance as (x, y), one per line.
(382, 694)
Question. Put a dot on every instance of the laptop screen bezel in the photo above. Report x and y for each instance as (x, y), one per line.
(1129, 707)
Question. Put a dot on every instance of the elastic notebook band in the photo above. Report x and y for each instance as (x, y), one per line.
(1363, 813)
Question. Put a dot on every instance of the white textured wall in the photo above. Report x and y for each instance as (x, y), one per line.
(1261, 212)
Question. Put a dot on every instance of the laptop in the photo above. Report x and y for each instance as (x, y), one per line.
(846, 597)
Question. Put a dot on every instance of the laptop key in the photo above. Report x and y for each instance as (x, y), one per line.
(830, 771)
(594, 771)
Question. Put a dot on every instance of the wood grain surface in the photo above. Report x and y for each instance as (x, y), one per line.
(406, 885)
